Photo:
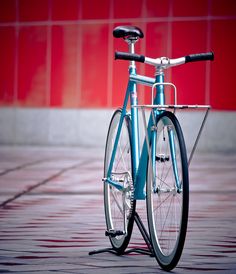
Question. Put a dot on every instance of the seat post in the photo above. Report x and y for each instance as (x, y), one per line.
(131, 44)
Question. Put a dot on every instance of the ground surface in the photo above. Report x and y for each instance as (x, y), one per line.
(51, 215)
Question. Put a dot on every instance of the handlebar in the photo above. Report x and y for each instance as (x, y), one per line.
(208, 56)
(165, 62)
(129, 56)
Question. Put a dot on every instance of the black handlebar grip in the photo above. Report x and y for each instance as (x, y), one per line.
(209, 56)
(129, 56)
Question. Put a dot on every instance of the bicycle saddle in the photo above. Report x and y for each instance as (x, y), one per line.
(127, 31)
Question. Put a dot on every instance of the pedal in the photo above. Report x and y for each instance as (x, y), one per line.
(162, 158)
(113, 233)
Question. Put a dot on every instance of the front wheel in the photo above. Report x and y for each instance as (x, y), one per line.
(167, 191)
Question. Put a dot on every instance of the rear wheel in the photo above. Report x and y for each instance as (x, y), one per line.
(119, 204)
(168, 191)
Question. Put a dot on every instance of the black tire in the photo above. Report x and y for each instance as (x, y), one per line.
(115, 208)
(167, 206)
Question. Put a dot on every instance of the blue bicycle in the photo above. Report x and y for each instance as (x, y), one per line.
(160, 162)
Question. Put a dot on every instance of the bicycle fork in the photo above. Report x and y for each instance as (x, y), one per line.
(162, 158)
(173, 157)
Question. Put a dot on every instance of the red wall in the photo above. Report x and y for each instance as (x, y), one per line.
(59, 53)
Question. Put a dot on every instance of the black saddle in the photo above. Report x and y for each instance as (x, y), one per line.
(127, 31)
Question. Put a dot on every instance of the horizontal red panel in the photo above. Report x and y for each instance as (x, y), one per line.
(7, 10)
(64, 73)
(189, 78)
(7, 65)
(72, 65)
(156, 8)
(37, 10)
(95, 9)
(157, 45)
(223, 95)
(158, 37)
(32, 88)
(190, 8)
(120, 80)
(223, 8)
(57, 60)
(94, 62)
(128, 9)
(65, 9)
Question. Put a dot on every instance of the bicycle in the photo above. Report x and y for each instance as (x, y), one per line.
(161, 163)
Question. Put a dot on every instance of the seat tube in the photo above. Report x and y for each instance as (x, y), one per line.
(134, 123)
(134, 111)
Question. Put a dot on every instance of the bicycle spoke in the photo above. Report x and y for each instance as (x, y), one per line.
(122, 152)
(167, 214)
(163, 182)
(115, 199)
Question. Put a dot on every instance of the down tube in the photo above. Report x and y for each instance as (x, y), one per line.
(140, 179)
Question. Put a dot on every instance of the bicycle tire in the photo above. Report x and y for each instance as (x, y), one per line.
(113, 198)
(167, 207)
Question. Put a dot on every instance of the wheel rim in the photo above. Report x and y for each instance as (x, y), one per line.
(119, 204)
(167, 199)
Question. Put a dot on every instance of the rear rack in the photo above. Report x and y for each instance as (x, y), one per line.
(163, 107)
(173, 107)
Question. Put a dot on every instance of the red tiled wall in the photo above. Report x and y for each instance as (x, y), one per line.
(59, 53)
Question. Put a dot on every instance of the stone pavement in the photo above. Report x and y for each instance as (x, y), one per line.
(51, 215)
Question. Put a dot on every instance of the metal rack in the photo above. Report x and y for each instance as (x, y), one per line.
(174, 108)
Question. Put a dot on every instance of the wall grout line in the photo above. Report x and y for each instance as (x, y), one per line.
(141, 88)
(168, 75)
(16, 72)
(119, 20)
(15, 88)
(110, 57)
(49, 57)
(208, 65)
(78, 61)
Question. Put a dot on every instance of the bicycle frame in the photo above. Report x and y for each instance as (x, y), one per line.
(140, 157)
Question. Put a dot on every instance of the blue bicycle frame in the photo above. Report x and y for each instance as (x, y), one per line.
(139, 159)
